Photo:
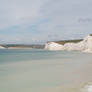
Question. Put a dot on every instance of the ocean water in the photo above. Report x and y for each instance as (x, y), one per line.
(45, 71)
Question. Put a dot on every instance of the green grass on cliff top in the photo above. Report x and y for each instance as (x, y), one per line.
(68, 41)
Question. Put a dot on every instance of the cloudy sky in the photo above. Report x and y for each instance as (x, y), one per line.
(38, 21)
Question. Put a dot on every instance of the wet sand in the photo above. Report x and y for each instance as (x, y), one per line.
(60, 72)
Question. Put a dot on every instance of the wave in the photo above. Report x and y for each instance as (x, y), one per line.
(87, 88)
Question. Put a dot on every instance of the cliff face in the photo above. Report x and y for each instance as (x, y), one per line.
(83, 45)
(53, 46)
(1, 47)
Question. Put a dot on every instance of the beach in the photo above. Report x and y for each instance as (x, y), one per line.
(45, 71)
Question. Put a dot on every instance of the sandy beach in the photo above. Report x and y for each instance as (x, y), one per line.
(45, 71)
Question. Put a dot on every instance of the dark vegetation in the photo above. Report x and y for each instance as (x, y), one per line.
(68, 41)
(22, 46)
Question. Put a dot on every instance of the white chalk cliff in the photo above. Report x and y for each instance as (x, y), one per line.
(1, 47)
(85, 45)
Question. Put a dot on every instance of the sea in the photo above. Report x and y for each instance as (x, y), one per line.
(39, 70)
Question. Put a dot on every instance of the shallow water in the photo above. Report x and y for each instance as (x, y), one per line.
(44, 71)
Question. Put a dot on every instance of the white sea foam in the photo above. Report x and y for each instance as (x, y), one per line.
(87, 88)
(90, 88)
(85, 45)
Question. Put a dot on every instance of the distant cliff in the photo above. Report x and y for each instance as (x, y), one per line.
(68, 41)
(1, 47)
(22, 46)
(77, 45)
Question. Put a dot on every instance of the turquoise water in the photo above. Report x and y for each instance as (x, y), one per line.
(44, 71)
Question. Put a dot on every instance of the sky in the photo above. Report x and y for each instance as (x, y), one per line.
(39, 21)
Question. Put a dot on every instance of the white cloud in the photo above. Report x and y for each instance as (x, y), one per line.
(15, 12)
(52, 19)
